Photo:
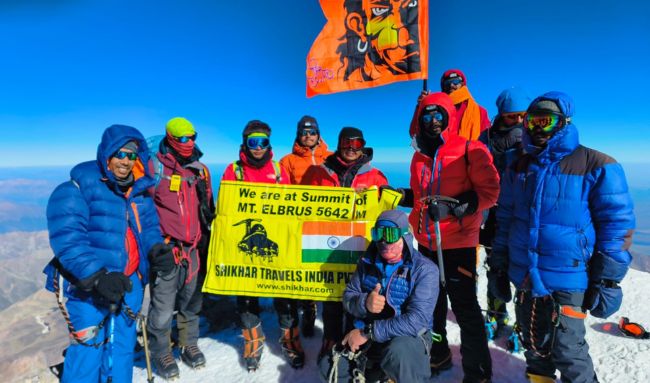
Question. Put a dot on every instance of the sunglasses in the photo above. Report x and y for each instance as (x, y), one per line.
(352, 143)
(258, 142)
(186, 139)
(429, 117)
(547, 122)
(514, 116)
(120, 155)
(631, 329)
(387, 234)
(308, 132)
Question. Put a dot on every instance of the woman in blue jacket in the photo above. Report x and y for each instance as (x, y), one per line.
(102, 224)
(564, 225)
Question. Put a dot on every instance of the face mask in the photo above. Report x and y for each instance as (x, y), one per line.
(184, 146)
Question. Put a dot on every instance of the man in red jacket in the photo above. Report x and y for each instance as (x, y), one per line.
(256, 164)
(349, 166)
(309, 149)
(446, 164)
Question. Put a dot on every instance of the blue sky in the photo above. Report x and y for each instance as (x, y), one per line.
(71, 68)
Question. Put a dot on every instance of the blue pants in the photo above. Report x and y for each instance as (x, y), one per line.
(91, 364)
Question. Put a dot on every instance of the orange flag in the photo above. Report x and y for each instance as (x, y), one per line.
(368, 43)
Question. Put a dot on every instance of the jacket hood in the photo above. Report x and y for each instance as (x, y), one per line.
(114, 138)
(444, 101)
(563, 101)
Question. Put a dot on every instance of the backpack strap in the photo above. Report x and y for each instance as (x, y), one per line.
(238, 170)
(277, 170)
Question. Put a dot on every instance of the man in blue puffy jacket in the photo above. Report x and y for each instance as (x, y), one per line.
(102, 225)
(391, 296)
(564, 225)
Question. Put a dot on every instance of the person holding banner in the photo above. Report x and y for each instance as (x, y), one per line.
(309, 149)
(472, 118)
(391, 296)
(256, 164)
(183, 197)
(349, 166)
(447, 165)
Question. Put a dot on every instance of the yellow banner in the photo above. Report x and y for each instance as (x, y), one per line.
(289, 241)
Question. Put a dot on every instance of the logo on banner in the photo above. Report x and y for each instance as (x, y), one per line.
(255, 242)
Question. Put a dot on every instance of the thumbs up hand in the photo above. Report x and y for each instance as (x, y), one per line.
(375, 302)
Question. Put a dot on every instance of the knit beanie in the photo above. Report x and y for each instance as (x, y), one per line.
(307, 122)
(452, 74)
(255, 126)
(350, 132)
(544, 106)
(393, 218)
(513, 100)
(179, 127)
(131, 145)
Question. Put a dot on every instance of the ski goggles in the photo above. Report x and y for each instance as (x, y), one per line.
(120, 155)
(547, 122)
(354, 143)
(513, 116)
(631, 329)
(429, 117)
(453, 81)
(186, 139)
(308, 132)
(258, 142)
(387, 234)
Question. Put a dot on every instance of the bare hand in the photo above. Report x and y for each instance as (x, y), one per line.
(375, 302)
(354, 339)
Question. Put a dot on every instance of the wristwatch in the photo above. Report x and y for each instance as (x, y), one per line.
(367, 330)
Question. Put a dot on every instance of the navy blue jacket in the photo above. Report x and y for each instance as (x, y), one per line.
(564, 215)
(411, 293)
(87, 216)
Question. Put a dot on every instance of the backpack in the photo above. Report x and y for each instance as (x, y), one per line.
(239, 171)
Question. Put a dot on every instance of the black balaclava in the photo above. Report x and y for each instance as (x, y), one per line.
(427, 140)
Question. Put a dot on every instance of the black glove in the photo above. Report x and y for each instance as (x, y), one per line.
(439, 211)
(112, 286)
(161, 259)
(603, 298)
(467, 204)
(499, 285)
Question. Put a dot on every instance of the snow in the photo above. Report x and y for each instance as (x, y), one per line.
(616, 358)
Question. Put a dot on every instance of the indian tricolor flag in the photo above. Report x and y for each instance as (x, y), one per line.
(333, 242)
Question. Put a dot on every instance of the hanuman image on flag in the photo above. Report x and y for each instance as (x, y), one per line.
(381, 35)
(368, 43)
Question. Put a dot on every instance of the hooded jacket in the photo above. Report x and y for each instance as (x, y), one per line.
(564, 215)
(359, 175)
(456, 166)
(87, 217)
(301, 158)
(178, 210)
(411, 293)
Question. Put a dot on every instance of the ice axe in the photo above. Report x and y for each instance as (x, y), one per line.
(143, 324)
(113, 308)
(435, 201)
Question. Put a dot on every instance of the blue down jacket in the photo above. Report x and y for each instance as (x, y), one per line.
(87, 216)
(564, 215)
(411, 293)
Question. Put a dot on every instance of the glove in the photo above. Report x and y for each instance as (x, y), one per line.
(467, 204)
(603, 298)
(439, 211)
(112, 286)
(499, 285)
(161, 259)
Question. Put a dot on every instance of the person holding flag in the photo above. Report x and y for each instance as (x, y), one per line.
(472, 118)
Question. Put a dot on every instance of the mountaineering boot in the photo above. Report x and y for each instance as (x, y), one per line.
(192, 356)
(308, 319)
(440, 362)
(291, 347)
(534, 378)
(166, 367)
(253, 345)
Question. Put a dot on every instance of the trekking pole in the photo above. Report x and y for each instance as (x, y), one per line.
(435, 200)
(143, 323)
(111, 337)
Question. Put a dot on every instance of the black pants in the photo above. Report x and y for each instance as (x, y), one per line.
(460, 274)
(249, 311)
(559, 338)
